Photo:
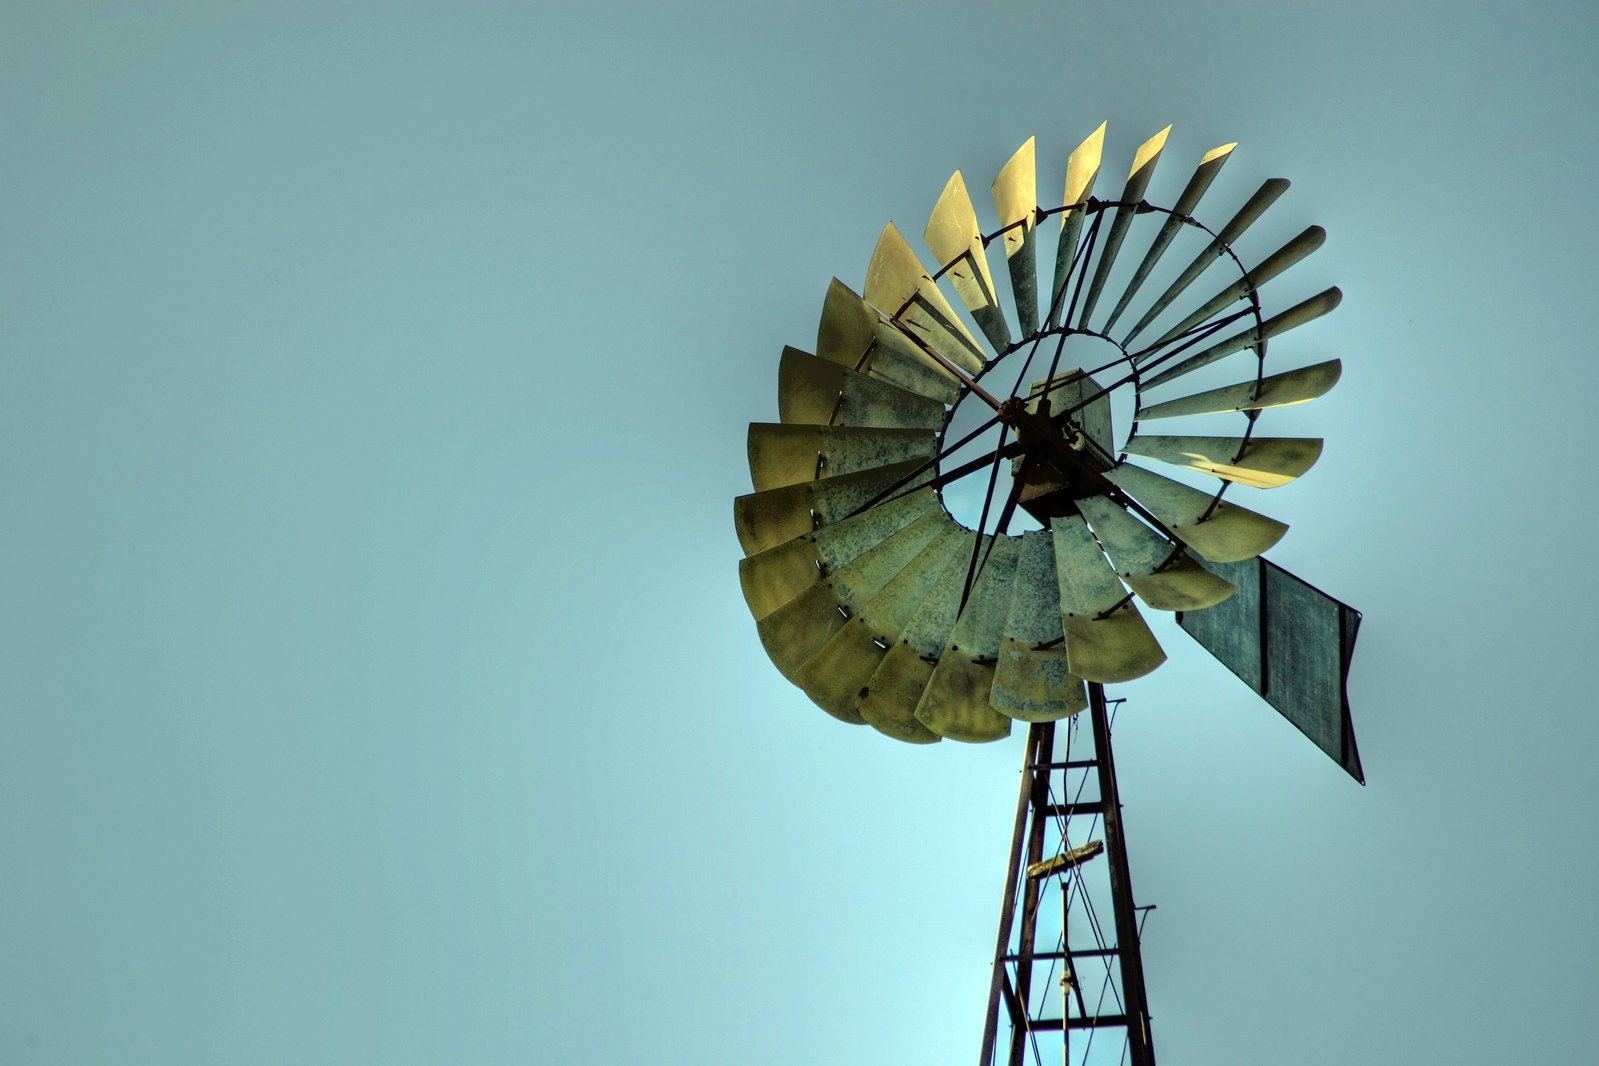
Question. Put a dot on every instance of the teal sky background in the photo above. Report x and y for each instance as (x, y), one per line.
(374, 381)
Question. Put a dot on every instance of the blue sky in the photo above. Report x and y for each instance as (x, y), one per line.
(378, 688)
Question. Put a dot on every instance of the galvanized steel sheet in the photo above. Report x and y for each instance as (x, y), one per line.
(1159, 572)
(1031, 683)
(766, 519)
(1144, 161)
(898, 285)
(1106, 638)
(1082, 167)
(817, 392)
(957, 243)
(1016, 200)
(1260, 462)
(1229, 534)
(852, 333)
(787, 454)
(1278, 390)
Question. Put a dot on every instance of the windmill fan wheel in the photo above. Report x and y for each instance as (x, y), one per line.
(888, 611)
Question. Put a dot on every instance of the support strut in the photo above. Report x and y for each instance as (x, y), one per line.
(1056, 844)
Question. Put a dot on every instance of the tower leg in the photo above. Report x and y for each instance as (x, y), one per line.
(1069, 858)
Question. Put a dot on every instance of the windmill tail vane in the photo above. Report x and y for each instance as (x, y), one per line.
(888, 610)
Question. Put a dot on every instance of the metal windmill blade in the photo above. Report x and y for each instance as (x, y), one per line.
(891, 606)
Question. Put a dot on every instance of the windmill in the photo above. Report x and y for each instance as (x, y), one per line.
(890, 611)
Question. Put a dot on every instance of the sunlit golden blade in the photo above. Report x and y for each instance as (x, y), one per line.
(1016, 200)
(798, 629)
(895, 688)
(836, 674)
(816, 392)
(1297, 315)
(772, 577)
(789, 454)
(898, 285)
(1106, 638)
(1270, 267)
(1081, 170)
(1264, 197)
(853, 334)
(1137, 182)
(1278, 390)
(1229, 533)
(1031, 683)
(767, 519)
(955, 703)
(957, 242)
(1160, 573)
(1203, 175)
(1261, 462)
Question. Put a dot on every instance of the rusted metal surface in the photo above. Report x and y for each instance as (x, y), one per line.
(957, 242)
(1259, 462)
(1099, 951)
(1106, 637)
(788, 454)
(1220, 531)
(1278, 390)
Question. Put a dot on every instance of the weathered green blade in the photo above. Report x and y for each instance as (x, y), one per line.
(1229, 532)
(1081, 169)
(1297, 315)
(853, 334)
(955, 703)
(1264, 197)
(957, 242)
(1106, 638)
(898, 285)
(1261, 462)
(836, 674)
(1016, 199)
(1031, 683)
(1137, 182)
(896, 686)
(789, 454)
(798, 629)
(1279, 390)
(772, 577)
(1160, 573)
(1203, 175)
(767, 519)
(816, 392)
(1269, 268)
